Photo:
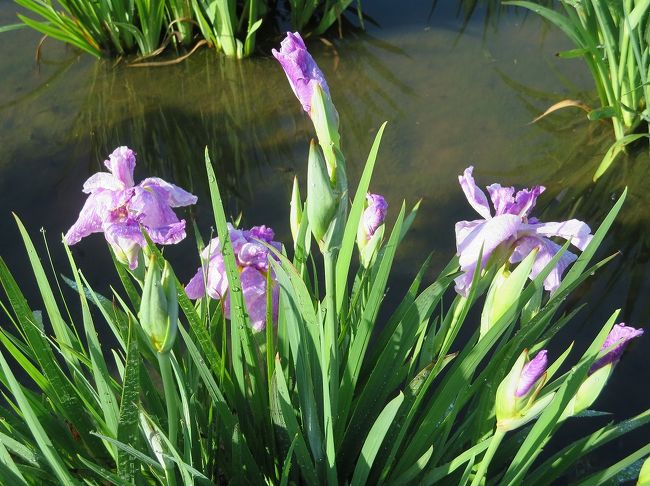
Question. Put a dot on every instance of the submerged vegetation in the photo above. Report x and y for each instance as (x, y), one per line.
(106, 28)
(282, 364)
(614, 40)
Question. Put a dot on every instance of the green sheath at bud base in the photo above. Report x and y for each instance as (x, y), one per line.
(326, 123)
(159, 306)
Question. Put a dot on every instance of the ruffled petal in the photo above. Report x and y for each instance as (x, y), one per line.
(93, 213)
(151, 209)
(195, 289)
(525, 201)
(217, 278)
(126, 240)
(253, 254)
(546, 252)
(488, 235)
(574, 230)
(169, 234)
(474, 195)
(170, 194)
(253, 284)
(102, 181)
(122, 163)
(502, 198)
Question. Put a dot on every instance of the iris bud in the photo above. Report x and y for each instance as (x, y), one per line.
(516, 399)
(371, 228)
(322, 201)
(505, 290)
(159, 306)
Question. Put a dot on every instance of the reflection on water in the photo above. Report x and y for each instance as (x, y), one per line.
(450, 100)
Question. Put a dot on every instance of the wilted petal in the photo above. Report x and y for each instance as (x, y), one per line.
(618, 337)
(574, 230)
(547, 250)
(301, 69)
(122, 163)
(169, 194)
(475, 196)
(91, 217)
(531, 373)
(126, 240)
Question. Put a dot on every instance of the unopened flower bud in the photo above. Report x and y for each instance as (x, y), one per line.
(505, 292)
(371, 228)
(516, 399)
(159, 306)
(322, 201)
(616, 342)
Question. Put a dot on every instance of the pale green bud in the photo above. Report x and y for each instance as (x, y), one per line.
(159, 306)
(589, 391)
(322, 201)
(295, 210)
(504, 293)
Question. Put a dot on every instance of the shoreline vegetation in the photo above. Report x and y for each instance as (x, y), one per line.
(147, 28)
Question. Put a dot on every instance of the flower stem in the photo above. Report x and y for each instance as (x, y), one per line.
(331, 368)
(495, 441)
(164, 362)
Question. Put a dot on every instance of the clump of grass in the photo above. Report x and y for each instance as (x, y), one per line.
(613, 39)
(108, 28)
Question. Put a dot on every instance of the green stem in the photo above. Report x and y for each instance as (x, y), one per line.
(331, 368)
(164, 362)
(170, 395)
(495, 441)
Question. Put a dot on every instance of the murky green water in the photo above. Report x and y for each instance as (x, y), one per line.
(451, 100)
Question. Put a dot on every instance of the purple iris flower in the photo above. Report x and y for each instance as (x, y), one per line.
(531, 373)
(252, 256)
(119, 208)
(301, 69)
(512, 232)
(619, 336)
(374, 215)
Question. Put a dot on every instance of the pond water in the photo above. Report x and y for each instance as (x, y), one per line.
(455, 92)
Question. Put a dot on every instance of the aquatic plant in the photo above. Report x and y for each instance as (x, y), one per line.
(107, 28)
(335, 388)
(612, 38)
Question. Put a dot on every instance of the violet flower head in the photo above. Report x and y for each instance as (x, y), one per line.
(302, 71)
(252, 256)
(531, 373)
(374, 215)
(511, 232)
(119, 208)
(619, 337)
